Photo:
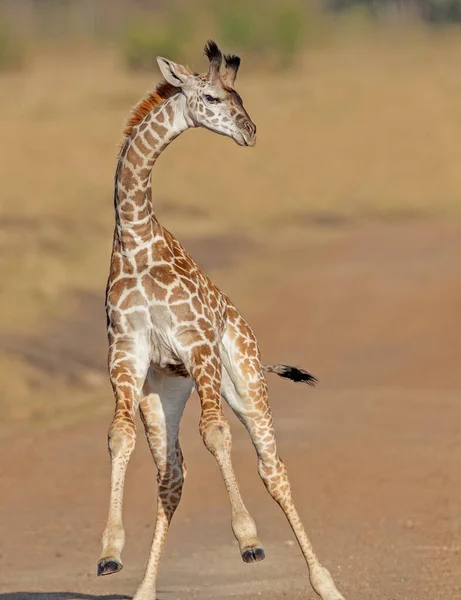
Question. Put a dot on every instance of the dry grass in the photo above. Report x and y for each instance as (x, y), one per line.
(362, 129)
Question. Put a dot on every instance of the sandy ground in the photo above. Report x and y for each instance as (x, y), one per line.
(374, 452)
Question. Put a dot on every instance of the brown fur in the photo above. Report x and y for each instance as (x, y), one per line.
(163, 91)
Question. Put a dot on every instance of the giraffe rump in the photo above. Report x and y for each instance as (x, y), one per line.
(293, 373)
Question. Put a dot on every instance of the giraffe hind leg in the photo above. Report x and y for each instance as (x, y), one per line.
(254, 412)
(161, 410)
(245, 390)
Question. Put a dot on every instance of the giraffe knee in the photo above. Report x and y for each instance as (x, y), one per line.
(274, 475)
(122, 437)
(216, 435)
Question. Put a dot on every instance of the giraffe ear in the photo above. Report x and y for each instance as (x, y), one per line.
(231, 70)
(175, 74)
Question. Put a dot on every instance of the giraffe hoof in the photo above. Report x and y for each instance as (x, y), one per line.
(251, 555)
(108, 566)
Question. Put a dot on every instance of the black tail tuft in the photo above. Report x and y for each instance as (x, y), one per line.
(293, 373)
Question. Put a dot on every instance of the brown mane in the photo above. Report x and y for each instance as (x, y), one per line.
(163, 91)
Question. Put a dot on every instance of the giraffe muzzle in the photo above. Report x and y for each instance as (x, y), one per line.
(248, 131)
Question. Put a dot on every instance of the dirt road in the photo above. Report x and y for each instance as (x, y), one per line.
(374, 452)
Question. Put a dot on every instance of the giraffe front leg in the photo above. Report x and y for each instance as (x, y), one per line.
(206, 370)
(128, 369)
(122, 439)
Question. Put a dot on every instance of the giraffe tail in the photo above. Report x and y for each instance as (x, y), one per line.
(293, 373)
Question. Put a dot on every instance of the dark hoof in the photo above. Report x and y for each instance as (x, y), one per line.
(251, 555)
(108, 566)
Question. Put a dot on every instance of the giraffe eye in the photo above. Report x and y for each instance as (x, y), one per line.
(212, 99)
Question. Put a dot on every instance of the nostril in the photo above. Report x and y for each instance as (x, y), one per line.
(250, 127)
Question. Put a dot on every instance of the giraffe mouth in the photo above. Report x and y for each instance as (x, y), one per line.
(243, 140)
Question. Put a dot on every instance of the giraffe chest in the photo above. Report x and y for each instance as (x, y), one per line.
(153, 301)
(168, 303)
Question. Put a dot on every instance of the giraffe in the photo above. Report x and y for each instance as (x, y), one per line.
(170, 329)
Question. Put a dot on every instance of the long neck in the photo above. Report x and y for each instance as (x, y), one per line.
(135, 219)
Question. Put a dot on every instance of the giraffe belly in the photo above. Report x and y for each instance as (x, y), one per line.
(163, 356)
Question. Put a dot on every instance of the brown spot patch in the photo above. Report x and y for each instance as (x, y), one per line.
(150, 139)
(160, 250)
(184, 263)
(141, 147)
(163, 274)
(159, 129)
(178, 293)
(152, 288)
(127, 267)
(124, 377)
(142, 258)
(133, 157)
(115, 318)
(117, 289)
(210, 370)
(127, 208)
(183, 312)
(144, 174)
(127, 178)
(213, 301)
(197, 305)
(134, 298)
(115, 266)
(138, 197)
(169, 112)
(201, 351)
(189, 284)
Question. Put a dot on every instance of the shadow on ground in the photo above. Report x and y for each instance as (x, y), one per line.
(59, 596)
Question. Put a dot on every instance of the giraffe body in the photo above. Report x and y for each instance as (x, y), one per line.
(171, 329)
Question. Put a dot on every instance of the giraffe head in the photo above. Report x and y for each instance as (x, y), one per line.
(211, 100)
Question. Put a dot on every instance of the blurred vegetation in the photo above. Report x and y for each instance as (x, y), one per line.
(429, 11)
(279, 34)
(274, 33)
(12, 52)
(289, 28)
(276, 38)
(441, 11)
(146, 38)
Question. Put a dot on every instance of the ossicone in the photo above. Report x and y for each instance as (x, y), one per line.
(214, 55)
(232, 64)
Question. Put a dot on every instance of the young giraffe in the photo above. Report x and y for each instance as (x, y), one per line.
(169, 328)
